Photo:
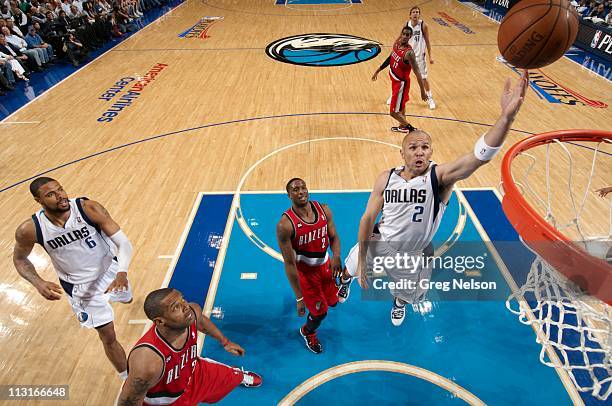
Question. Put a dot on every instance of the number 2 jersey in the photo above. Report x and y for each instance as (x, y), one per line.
(310, 240)
(412, 210)
(80, 251)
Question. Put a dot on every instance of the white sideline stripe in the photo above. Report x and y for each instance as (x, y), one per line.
(248, 275)
(138, 321)
(165, 257)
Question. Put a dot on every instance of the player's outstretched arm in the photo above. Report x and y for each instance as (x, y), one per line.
(146, 368)
(25, 238)
(490, 143)
(206, 326)
(366, 224)
(284, 231)
(100, 216)
(334, 242)
(386, 63)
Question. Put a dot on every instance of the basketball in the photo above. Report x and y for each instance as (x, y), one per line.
(536, 33)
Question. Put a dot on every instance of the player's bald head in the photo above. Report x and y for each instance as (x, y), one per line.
(416, 135)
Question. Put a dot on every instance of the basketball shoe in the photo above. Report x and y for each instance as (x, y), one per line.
(250, 379)
(312, 342)
(344, 290)
(401, 129)
(397, 313)
(431, 102)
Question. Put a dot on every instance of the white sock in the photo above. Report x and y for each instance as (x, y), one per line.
(123, 375)
(398, 302)
(430, 94)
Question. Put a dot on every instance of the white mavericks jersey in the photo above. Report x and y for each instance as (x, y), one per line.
(412, 209)
(79, 251)
(417, 41)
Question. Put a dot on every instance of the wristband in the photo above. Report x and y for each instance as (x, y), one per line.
(300, 299)
(483, 152)
(225, 341)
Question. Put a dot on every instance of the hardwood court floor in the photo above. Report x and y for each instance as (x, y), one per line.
(260, 105)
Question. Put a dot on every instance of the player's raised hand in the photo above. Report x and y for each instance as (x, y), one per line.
(120, 283)
(49, 290)
(512, 97)
(234, 348)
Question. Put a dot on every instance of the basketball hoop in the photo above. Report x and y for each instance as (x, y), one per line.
(558, 297)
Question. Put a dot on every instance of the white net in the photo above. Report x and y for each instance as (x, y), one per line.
(574, 328)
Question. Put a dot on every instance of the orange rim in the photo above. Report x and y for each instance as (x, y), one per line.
(592, 274)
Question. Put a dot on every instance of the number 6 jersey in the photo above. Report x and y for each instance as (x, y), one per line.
(79, 251)
(412, 209)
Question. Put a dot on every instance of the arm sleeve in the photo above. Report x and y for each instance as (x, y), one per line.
(385, 63)
(124, 248)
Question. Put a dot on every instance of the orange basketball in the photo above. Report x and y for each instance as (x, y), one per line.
(535, 33)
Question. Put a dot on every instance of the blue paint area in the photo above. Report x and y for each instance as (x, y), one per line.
(196, 264)
(518, 260)
(477, 344)
(379, 388)
(41, 82)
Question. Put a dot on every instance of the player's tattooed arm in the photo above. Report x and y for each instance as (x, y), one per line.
(25, 238)
(135, 397)
(146, 368)
(99, 215)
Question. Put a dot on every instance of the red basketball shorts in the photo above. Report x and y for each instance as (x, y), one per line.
(400, 90)
(211, 381)
(318, 287)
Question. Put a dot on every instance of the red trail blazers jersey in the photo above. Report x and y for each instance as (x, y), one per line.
(399, 70)
(179, 365)
(310, 240)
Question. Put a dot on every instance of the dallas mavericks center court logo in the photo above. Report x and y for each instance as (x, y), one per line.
(323, 49)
